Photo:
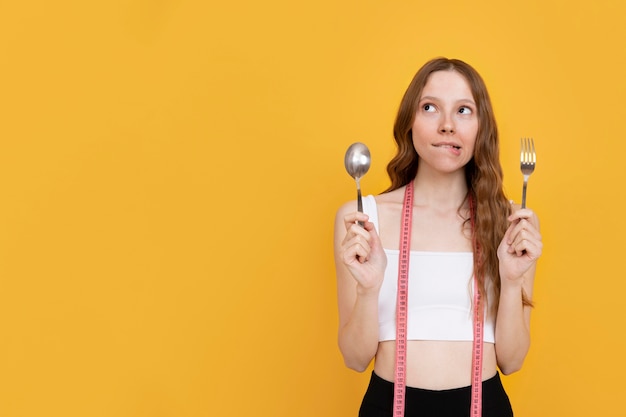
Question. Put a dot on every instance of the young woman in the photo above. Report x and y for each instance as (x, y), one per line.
(465, 235)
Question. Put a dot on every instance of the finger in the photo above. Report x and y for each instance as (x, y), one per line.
(529, 247)
(357, 232)
(357, 235)
(355, 217)
(508, 235)
(525, 214)
(356, 250)
(522, 229)
(366, 229)
(519, 239)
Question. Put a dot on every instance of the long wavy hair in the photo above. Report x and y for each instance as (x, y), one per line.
(489, 207)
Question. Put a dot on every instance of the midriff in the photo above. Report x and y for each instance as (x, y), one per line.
(435, 365)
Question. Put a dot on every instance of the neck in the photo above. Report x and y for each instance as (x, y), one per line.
(440, 190)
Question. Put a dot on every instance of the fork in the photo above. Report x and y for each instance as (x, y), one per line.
(528, 161)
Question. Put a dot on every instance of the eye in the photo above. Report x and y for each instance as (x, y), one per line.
(428, 108)
(465, 110)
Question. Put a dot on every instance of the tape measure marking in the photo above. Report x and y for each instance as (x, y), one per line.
(477, 348)
(401, 302)
(401, 316)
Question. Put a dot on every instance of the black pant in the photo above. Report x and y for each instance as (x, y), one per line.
(419, 402)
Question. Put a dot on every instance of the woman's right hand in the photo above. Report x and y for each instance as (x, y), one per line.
(362, 252)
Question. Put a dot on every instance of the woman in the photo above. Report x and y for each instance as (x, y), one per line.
(464, 233)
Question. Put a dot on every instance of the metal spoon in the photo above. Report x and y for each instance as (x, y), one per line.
(357, 162)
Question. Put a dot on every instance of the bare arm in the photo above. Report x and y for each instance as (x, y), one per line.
(360, 264)
(518, 253)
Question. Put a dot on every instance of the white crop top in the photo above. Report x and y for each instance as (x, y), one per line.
(441, 290)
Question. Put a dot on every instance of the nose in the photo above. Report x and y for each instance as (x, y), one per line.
(447, 125)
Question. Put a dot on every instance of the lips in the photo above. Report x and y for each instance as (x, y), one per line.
(452, 147)
(447, 145)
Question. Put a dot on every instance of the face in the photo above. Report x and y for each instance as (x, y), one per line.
(446, 123)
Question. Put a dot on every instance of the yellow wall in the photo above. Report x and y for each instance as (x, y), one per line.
(169, 173)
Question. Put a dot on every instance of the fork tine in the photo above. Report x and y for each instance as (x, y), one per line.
(528, 154)
(528, 158)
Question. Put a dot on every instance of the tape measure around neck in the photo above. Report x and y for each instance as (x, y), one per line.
(401, 318)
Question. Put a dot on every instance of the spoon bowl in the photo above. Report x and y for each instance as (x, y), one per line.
(357, 160)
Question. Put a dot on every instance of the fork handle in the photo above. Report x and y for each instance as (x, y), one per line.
(524, 193)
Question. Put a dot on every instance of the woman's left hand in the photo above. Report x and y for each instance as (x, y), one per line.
(521, 245)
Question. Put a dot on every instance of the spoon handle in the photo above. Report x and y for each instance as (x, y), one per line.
(359, 201)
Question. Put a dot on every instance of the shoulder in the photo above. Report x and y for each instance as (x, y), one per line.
(345, 208)
(370, 204)
(391, 200)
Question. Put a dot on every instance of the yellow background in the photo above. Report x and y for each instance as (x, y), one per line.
(170, 170)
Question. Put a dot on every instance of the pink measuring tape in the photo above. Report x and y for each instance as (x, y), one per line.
(401, 318)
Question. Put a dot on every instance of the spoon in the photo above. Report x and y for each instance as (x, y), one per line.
(357, 162)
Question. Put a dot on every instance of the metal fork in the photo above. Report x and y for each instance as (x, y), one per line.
(528, 161)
